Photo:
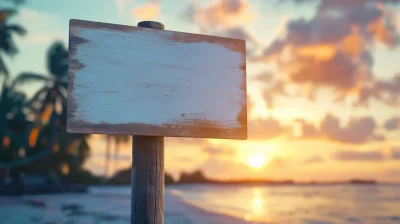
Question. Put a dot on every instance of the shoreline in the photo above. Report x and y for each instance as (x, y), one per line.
(111, 205)
(200, 214)
(101, 207)
(225, 216)
(283, 184)
(85, 188)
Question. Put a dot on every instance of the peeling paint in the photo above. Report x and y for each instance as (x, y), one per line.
(132, 80)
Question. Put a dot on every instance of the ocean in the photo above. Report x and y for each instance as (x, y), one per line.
(209, 204)
(299, 204)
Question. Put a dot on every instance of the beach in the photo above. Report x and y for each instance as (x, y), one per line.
(215, 204)
(96, 208)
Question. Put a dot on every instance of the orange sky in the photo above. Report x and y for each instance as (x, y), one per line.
(312, 91)
(323, 82)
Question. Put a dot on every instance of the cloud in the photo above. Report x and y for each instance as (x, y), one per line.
(185, 159)
(122, 5)
(308, 130)
(189, 13)
(345, 3)
(366, 156)
(272, 90)
(389, 91)
(277, 162)
(222, 161)
(265, 77)
(147, 11)
(385, 91)
(394, 153)
(333, 49)
(187, 141)
(314, 159)
(356, 131)
(228, 169)
(264, 129)
(225, 18)
(239, 33)
(218, 151)
(224, 14)
(393, 124)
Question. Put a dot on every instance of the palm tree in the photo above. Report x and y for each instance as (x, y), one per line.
(12, 118)
(53, 95)
(118, 139)
(47, 136)
(108, 148)
(7, 43)
(9, 48)
(49, 105)
(14, 129)
(11, 101)
(17, 2)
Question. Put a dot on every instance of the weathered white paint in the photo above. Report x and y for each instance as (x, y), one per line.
(142, 76)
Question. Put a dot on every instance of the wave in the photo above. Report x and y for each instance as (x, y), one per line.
(110, 190)
(175, 192)
(230, 217)
(184, 205)
(179, 208)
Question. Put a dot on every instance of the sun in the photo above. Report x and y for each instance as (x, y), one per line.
(256, 161)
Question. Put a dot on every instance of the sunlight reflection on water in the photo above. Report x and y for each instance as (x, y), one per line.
(258, 204)
(300, 204)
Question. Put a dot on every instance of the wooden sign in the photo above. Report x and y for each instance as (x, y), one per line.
(140, 81)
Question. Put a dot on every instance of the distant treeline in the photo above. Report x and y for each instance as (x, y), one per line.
(197, 177)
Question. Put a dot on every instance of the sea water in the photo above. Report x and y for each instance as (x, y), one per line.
(218, 204)
(299, 203)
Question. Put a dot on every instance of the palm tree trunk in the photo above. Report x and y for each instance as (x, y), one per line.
(116, 154)
(3, 85)
(108, 144)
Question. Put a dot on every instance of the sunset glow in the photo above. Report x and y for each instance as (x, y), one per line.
(200, 111)
(256, 161)
(323, 84)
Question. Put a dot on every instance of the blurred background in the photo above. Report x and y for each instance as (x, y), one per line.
(323, 81)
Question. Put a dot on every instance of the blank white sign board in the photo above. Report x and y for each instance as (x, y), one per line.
(140, 81)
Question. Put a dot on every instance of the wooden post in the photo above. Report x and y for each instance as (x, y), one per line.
(147, 199)
(147, 205)
(164, 84)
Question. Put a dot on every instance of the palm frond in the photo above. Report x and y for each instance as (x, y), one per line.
(39, 95)
(63, 91)
(17, 29)
(28, 77)
(18, 2)
(57, 60)
(5, 13)
(3, 68)
(37, 101)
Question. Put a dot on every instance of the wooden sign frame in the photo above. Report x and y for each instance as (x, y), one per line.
(139, 81)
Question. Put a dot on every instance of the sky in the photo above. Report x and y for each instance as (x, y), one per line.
(323, 82)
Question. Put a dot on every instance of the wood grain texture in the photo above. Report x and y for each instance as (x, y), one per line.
(148, 164)
(139, 81)
(147, 180)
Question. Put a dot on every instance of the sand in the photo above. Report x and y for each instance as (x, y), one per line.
(97, 208)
